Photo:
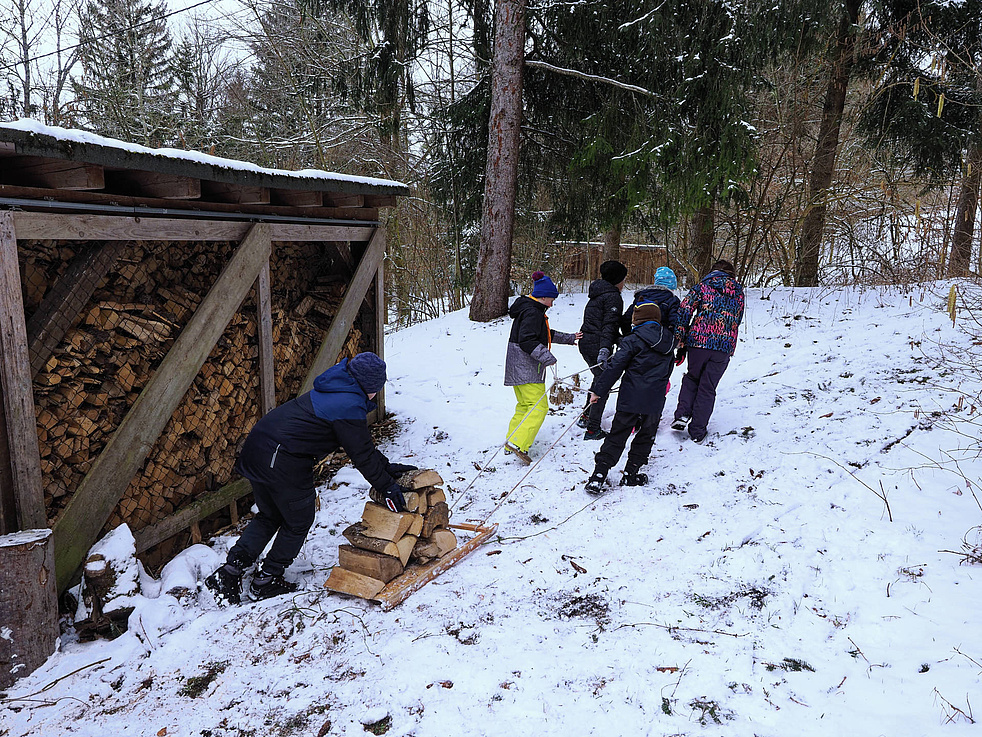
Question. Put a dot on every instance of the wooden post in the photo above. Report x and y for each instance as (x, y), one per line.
(28, 603)
(264, 316)
(19, 448)
(90, 506)
(327, 356)
(380, 332)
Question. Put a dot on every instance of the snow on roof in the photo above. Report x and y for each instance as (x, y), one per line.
(312, 176)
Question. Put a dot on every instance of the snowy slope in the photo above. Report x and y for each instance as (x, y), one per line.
(760, 585)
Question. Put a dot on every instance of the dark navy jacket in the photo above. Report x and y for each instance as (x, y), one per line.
(666, 300)
(286, 443)
(645, 359)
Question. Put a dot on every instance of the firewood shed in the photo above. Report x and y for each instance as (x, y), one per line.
(154, 303)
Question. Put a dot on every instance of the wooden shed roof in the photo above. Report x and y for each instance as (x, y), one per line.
(41, 165)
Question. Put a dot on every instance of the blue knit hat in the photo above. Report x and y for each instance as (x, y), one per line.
(665, 277)
(543, 286)
(369, 371)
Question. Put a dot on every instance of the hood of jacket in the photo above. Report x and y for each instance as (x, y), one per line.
(650, 332)
(601, 286)
(524, 304)
(717, 280)
(335, 388)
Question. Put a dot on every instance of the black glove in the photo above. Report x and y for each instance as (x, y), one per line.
(397, 469)
(680, 356)
(393, 498)
(603, 355)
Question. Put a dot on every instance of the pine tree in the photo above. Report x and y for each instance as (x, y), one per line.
(126, 89)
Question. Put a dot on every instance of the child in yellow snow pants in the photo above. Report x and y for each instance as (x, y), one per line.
(530, 412)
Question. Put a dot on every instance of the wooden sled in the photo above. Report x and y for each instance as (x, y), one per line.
(418, 575)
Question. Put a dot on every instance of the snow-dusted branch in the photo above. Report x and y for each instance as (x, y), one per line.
(590, 77)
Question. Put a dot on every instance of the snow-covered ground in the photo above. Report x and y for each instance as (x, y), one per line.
(798, 574)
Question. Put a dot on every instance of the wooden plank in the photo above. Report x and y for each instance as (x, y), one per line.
(8, 502)
(154, 184)
(22, 452)
(296, 198)
(264, 317)
(327, 356)
(247, 195)
(340, 199)
(65, 300)
(54, 173)
(201, 507)
(380, 200)
(177, 206)
(90, 506)
(417, 577)
(53, 226)
(381, 319)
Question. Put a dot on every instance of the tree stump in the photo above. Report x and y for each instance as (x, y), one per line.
(28, 603)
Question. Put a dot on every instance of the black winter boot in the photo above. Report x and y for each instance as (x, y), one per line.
(634, 478)
(225, 585)
(265, 586)
(596, 483)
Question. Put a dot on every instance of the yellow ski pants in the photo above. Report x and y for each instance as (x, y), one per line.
(530, 412)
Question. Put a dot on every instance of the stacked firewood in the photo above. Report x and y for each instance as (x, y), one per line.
(384, 543)
(114, 346)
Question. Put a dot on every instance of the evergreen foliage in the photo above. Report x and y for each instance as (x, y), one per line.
(126, 88)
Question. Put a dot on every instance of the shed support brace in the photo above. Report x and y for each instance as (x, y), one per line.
(81, 521)
(21, 491)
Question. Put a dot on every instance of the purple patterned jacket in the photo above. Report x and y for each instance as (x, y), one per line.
(710, 315)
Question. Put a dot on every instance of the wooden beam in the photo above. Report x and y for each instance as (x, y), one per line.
(327, 356)
(264, 317)
(380, 200)
(202, 507)
(53, 173)
(48, 226)
(234, 193)
(17, 393)
(79, 524)
(296, 198)
(338, 199)
(65, 300)
(176, 206)
(380, 333)
(152, 184)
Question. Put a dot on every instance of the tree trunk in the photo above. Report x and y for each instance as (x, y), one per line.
(612, 243)
(701, 234)
(968, 202)
(823, 163)
(492, 280)
(28, 603)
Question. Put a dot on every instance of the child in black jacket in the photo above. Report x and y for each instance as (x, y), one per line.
(601, 332)
(645, 360)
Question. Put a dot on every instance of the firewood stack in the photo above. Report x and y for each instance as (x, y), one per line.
(384, 543)
(114, 346)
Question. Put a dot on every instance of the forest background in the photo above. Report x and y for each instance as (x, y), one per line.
(810, 142)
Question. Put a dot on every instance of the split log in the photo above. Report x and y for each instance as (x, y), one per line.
(406, 546)
(355, 535)
(434, 497)
(367, 563)
(356, 584)
(28, 603)
(438, 516)
(420, 479)
(381, 523)
(417, 526)
(445, 540)
(426, 550)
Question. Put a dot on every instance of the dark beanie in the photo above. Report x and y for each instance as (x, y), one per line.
(542, 286)
(725, 266)
(369, 371)
(646, 312)
(613, 271)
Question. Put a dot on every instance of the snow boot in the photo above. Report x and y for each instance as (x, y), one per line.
(680, 423)
(634, 478)
(519, 453)
(596, 483)
(225, 585)
(584, 418)
(265, 586)
(598, 434)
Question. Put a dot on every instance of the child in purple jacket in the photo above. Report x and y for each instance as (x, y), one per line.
(708, 323)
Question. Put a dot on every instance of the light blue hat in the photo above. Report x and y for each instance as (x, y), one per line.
(665, 277)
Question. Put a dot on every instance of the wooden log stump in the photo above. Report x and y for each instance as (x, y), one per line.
(28, 603)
